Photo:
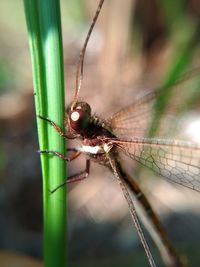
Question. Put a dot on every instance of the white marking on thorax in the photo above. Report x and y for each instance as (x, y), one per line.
(90, 149)
(104, 148)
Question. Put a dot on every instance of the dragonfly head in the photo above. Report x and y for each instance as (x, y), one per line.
(79, 116)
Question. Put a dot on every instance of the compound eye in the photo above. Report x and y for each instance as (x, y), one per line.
(75, 116)
(79, 119)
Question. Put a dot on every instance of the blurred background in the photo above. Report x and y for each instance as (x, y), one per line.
(136, 47)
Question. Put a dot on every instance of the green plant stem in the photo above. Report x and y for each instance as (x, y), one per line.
(45, 40)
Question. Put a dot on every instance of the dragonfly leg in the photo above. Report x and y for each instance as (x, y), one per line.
(75, 155)
(56, 127)
(81, 175)
(75, 177)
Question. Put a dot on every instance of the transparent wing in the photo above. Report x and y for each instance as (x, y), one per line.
(134, 119)
(175, 160)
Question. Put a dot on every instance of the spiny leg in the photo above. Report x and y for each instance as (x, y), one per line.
(76, 177)
(58, 154)
(56, 127)
(73, 178)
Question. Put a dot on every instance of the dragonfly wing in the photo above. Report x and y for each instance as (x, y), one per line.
(175, 160)
(134, 119)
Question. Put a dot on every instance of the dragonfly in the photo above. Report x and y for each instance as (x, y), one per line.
(102, 141)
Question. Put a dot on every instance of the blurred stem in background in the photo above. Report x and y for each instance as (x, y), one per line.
(183, 37)
(45, 40)
(182, 56)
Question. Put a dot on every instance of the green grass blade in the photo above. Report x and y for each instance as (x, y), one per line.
(45, 40)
